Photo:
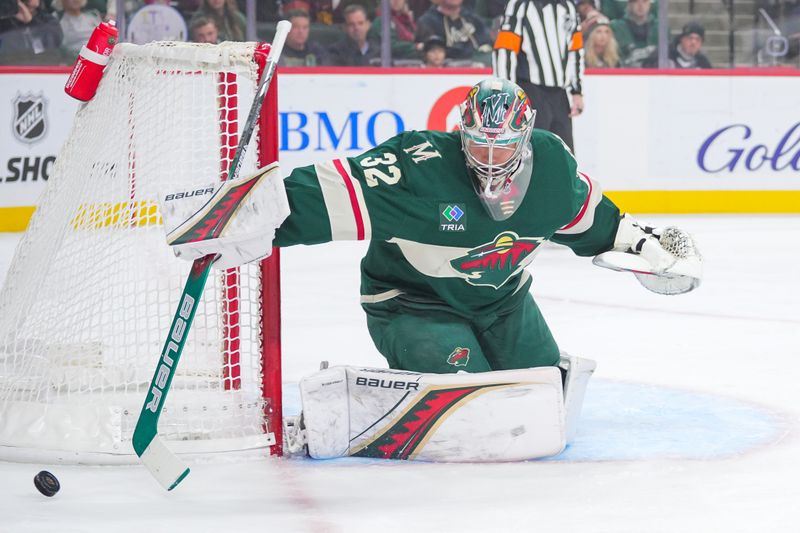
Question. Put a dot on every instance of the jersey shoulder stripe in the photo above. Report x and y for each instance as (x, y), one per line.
(344, 200)
(585, 217)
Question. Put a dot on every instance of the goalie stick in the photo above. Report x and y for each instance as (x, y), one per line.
(167, 468)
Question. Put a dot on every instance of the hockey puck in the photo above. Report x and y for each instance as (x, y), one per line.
(46, 483)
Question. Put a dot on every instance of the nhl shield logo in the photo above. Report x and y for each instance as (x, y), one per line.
(30, 123)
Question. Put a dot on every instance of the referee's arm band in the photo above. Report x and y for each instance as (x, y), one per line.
(508, 40)
(577, 41)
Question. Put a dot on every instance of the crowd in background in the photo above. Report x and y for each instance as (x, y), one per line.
(431, 33)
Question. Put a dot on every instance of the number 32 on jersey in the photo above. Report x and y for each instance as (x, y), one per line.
(389, 173)
(382, 167)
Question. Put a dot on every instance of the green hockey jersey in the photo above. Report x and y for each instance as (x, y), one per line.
(431, 240)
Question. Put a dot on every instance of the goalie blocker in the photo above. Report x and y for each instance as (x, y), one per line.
(235, 220)
(507, 415)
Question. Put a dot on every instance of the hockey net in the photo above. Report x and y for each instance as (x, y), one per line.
(93, 287)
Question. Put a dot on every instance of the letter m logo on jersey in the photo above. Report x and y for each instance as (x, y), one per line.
(494, 263)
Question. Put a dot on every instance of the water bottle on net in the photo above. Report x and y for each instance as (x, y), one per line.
(85, 77)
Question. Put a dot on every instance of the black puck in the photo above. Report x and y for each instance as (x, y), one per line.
(46, 483)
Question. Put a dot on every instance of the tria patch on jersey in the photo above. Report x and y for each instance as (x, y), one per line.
(452, 217)
(459, 357)
(494, 263)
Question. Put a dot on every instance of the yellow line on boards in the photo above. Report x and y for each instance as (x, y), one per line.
(90, 216)
(15, 218)
(667, 202)
(701, 202)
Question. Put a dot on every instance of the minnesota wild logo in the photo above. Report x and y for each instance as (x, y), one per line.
(459, 357)
(492, 264)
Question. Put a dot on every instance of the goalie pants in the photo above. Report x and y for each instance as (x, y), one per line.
(425, 337)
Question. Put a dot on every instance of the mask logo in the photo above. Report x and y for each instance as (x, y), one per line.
(494, 110)
(459, 357)
(468, 110)
(521, 112)
(494, 263)
(452, 217)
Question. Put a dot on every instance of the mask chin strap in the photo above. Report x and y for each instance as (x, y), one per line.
(487, 192)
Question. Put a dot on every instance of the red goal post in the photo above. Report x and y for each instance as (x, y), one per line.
(272, 381)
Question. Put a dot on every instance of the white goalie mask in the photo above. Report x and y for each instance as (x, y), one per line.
(496, 126)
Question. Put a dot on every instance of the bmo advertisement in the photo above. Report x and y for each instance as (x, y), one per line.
(723, 141)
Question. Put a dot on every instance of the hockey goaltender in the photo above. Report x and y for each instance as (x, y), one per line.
(452, 220)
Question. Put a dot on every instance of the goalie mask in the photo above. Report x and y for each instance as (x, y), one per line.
(496, 126)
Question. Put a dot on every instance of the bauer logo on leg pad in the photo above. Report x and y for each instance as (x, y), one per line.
(387, 383)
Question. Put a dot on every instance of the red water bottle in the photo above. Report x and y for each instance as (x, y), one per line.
(82, 83)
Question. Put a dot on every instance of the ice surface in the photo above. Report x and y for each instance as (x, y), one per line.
(690, 424)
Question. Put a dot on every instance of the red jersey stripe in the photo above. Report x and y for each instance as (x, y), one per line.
(351, 192)
(585, 203)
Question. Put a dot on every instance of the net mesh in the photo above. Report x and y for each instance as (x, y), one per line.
(93, 287)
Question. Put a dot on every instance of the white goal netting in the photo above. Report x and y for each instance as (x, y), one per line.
(93, 287)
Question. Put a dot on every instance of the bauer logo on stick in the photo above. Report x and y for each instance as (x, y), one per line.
(162, 376)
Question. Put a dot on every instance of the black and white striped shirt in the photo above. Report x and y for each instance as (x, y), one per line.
(539, 42)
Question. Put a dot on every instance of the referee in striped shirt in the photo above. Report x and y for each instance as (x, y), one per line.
(540, 48)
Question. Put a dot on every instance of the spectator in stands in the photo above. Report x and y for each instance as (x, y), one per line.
(684, 52)
(492, 12)
(77, 23)
(231, 23)
(355, 49)
(402, 29)
(339, 7)
(586, 9)
(187, 8)
(288, 6)
(299, 50)
(30, 31)
(434, 52)
(204, 30)
(636, 34)
(615, 9)
(464, 33)
(322, 12)
(600, 46)
(419, 7)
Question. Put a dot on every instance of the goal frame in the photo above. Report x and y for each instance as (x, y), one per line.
(266, 151)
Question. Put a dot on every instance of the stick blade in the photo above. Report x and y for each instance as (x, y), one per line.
(168, 470)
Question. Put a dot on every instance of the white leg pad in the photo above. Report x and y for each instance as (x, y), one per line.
(579, 370)
(506, 415)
